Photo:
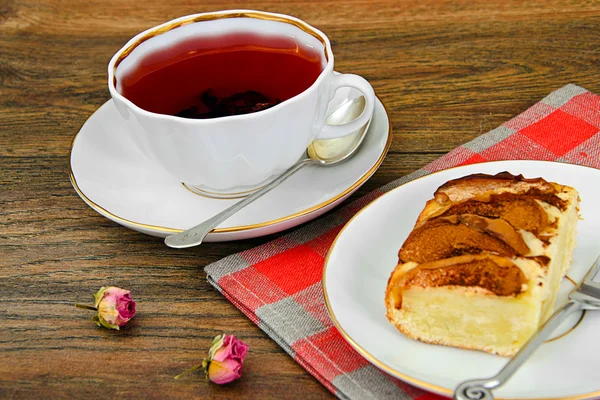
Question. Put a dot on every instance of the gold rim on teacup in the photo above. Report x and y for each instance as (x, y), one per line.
(212, 16)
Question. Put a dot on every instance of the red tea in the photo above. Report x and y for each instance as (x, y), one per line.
(224, 75)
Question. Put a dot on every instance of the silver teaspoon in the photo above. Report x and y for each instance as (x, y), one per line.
(324, 152)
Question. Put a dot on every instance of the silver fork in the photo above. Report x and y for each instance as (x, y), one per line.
(586, 296)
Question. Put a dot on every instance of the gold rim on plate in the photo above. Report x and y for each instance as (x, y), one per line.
(372, 359)
(162, 229)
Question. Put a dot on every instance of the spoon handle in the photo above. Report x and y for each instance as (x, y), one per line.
(194, 236)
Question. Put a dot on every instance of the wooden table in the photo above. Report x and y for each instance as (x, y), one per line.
(447, 70)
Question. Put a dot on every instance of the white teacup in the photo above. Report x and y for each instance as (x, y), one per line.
(231, 156)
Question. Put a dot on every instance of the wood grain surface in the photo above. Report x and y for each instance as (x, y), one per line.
(447, 70)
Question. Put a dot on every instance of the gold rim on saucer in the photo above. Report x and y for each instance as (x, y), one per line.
(364, 353)
(162, 229)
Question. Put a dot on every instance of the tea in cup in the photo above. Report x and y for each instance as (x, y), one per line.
(226, 101)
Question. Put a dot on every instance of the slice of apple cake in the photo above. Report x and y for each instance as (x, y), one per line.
(481, 268)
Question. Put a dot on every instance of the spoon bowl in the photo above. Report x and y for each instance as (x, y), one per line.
(326, 152)
(333, 151)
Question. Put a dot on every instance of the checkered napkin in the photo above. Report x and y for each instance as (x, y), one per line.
(278, 285)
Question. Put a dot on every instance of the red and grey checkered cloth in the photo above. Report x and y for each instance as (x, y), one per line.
(278, 285)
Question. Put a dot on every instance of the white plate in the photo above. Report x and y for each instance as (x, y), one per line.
(114, 178)
(365, 253)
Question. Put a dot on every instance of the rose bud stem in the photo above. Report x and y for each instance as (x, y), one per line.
(187, 371)
(86, 307)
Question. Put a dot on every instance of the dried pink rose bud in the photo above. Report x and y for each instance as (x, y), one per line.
(115, 307)
(225, 359)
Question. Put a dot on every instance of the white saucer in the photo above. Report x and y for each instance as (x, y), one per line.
(365, 252)
(114, 178)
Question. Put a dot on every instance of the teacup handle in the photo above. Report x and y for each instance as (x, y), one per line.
(357, 82)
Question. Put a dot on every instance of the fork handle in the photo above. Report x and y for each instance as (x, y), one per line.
(480, 389)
